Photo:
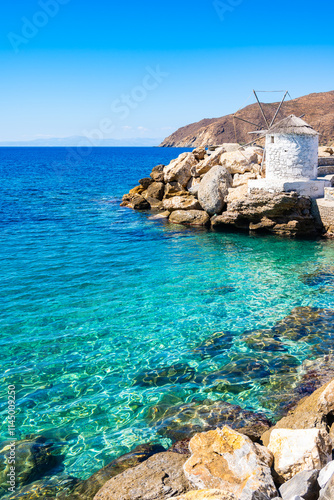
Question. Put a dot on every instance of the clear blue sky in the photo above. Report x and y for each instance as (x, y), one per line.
(74, 72)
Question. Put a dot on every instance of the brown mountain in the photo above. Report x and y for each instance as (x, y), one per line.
(317, 108)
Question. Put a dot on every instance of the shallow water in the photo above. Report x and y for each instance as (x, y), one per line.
(95, 295)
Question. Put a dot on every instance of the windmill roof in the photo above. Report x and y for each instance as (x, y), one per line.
(292, 125)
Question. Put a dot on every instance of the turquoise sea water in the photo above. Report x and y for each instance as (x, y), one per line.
(93, 295)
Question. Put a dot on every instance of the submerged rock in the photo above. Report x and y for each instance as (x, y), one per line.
(319, 277)
(174, 374)
(86, 490)
(182, 421)
(58, 486)
(34, 458)
(225, 459)
(216, 344)
(159, 477)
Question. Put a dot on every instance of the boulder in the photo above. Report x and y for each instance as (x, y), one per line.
(315, 411)
(199, 153)
(159, 477)
(227, 460)
(206, 495)
(180, 169)
(183, 420)
(290, 213)
(193, 185)
(145, 182)
(88, 488)
(181, 203)
(205, 166)
(161, 216)
(304, 484)
(190, 217)
(136, 190)
(138, 202)
(325, 474)
(213, 189)
(297, 450)
(174, 189)
(155, 190)
(157, 173)
(327, 493)
(239, 162)
(154, 203)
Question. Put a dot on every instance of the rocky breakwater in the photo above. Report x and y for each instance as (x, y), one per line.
(206, 189)
(293, 461)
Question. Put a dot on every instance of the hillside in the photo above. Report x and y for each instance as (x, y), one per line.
(318, 109)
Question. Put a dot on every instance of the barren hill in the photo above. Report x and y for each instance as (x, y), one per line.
(318, 109)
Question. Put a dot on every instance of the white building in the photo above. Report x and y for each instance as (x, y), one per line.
(291, 160)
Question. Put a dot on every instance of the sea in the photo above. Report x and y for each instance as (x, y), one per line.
(106, 313)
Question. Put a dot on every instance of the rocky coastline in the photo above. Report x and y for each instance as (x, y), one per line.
(242, 456)
(209, 189)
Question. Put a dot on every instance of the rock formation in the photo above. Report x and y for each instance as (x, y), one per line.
(211, 189)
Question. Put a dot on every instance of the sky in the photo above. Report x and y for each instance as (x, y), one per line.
(124, 69)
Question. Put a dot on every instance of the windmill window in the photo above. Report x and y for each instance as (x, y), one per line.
(272, 139)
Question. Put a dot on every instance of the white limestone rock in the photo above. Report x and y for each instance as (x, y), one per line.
(241, 161)
(213, 189)
(325, 474)
(304, 484)
(298, 450)
(179, 170)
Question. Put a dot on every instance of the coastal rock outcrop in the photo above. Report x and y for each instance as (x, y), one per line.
(280, 213)
(227, 460)
(297, 450)
(213, 189)
(159, 477)
(216, 181)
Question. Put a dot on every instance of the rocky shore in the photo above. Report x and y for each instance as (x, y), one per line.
(210, 189)
(243, 457)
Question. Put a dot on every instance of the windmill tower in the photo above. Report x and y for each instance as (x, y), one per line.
(291, 152)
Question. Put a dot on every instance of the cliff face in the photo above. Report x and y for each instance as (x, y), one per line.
(318, 109)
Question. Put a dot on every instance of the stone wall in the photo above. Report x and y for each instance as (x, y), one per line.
(323, 210)
(291, 157)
